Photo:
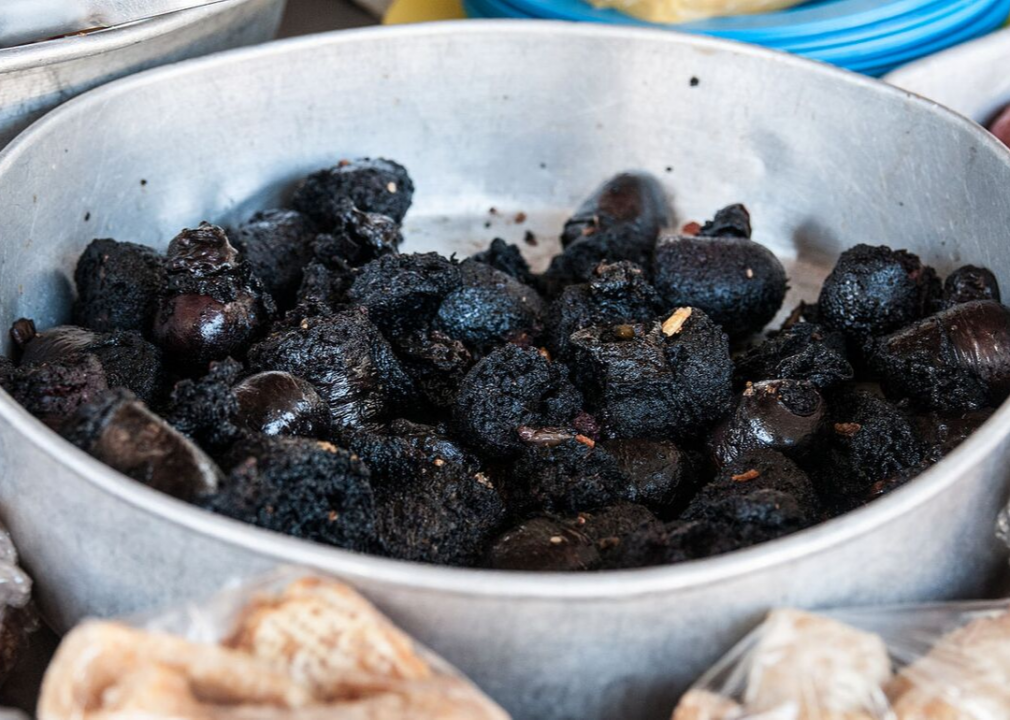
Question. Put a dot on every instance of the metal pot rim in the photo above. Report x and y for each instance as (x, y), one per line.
(65, 49)
(472, 582)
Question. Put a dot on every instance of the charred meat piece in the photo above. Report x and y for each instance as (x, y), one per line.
(763, 489)
(323, 291)
(731, 221)
(512, 388)
(54, 391)
(737, 282)
(489, 308)
(277, 244)
(657, 473)
(610, 527)
(279, 403)
(562, 473)
(942, 433)
(347, 360)
(305, 488)
(205, 409)
(436, 363)
(617, 293)
(804, 351)
(119, 430)
(404, 292)
(869, 440)
(508, 259)
(371, 185)
(543, 544)
(873, 291)
(61, 353)
(213, 306)
(954, 360)
(358, 237)
(620, 221)
(969, 283)
(781, 415)
(118, 285)
(671, 379)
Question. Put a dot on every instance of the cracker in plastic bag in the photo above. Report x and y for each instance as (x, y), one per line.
(292, 647)
(935, 662)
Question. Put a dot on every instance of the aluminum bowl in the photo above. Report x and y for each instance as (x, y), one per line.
(36, 78)
(523, 117)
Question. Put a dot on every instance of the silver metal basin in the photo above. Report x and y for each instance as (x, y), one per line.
(523, 117)
(36, 78)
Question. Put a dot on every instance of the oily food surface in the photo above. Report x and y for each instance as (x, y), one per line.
(621, 409)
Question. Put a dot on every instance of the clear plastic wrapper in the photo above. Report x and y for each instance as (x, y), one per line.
(674, 11)
(18, 619)
(291, 646)
(931, 662)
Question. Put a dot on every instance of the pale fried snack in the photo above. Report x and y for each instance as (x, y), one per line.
(816, 666)
(318, 650)
(704, 705)
(966, 676)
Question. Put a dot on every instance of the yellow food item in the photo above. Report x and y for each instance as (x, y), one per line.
(674, 11)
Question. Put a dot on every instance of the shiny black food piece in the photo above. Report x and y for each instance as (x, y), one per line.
(437, 364)
(357, 237)
(205, 408)
(657, 473)
(213, 306)
(734, 280)
(969, 283)
(506, 257)
(118, 284)
(119, 430)
(277, 244)
(804, 351)
(616, 293)
(670, 379)
(301, 487)
(873, 291)
(544, 544)
(279, 403)
(620, 221)
(371, 185)
(957, 359)
(347, 360)
(782, 415)
(512, 388)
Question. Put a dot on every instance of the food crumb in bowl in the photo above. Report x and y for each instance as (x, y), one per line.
(530, 238)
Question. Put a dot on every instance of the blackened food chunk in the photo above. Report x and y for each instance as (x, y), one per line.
(731, 221)
(782, 415)
(510, 388)
(620, 221)
(761, 488)
(213, 306)
(969, 283)
(617, 293)
(804, 351)
(876, 290)
(869, 440)
(489, 308)
(277, 244)
(119, 430)
(507, 258)
(737, 282)
(544, 544)
(205, 409)
(436, 363)
(322, 292)
(404, 292)
(347, 360)
(669, 380)
(358, 237)
(301, 487)
(559, 472)
(372, 185)
(279, 403)
(54, 391)
(118, 284)
(941, 433)
(954, 360)
(657, 474)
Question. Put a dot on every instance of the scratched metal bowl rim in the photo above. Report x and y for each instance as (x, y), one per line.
(73, 47)
(481, 582)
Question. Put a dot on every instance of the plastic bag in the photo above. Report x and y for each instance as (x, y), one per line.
(675, 11)
(291, 646)
(18, 619)
(935, 662)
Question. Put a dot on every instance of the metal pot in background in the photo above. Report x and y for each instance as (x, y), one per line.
(36, 78)
(523, 117)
